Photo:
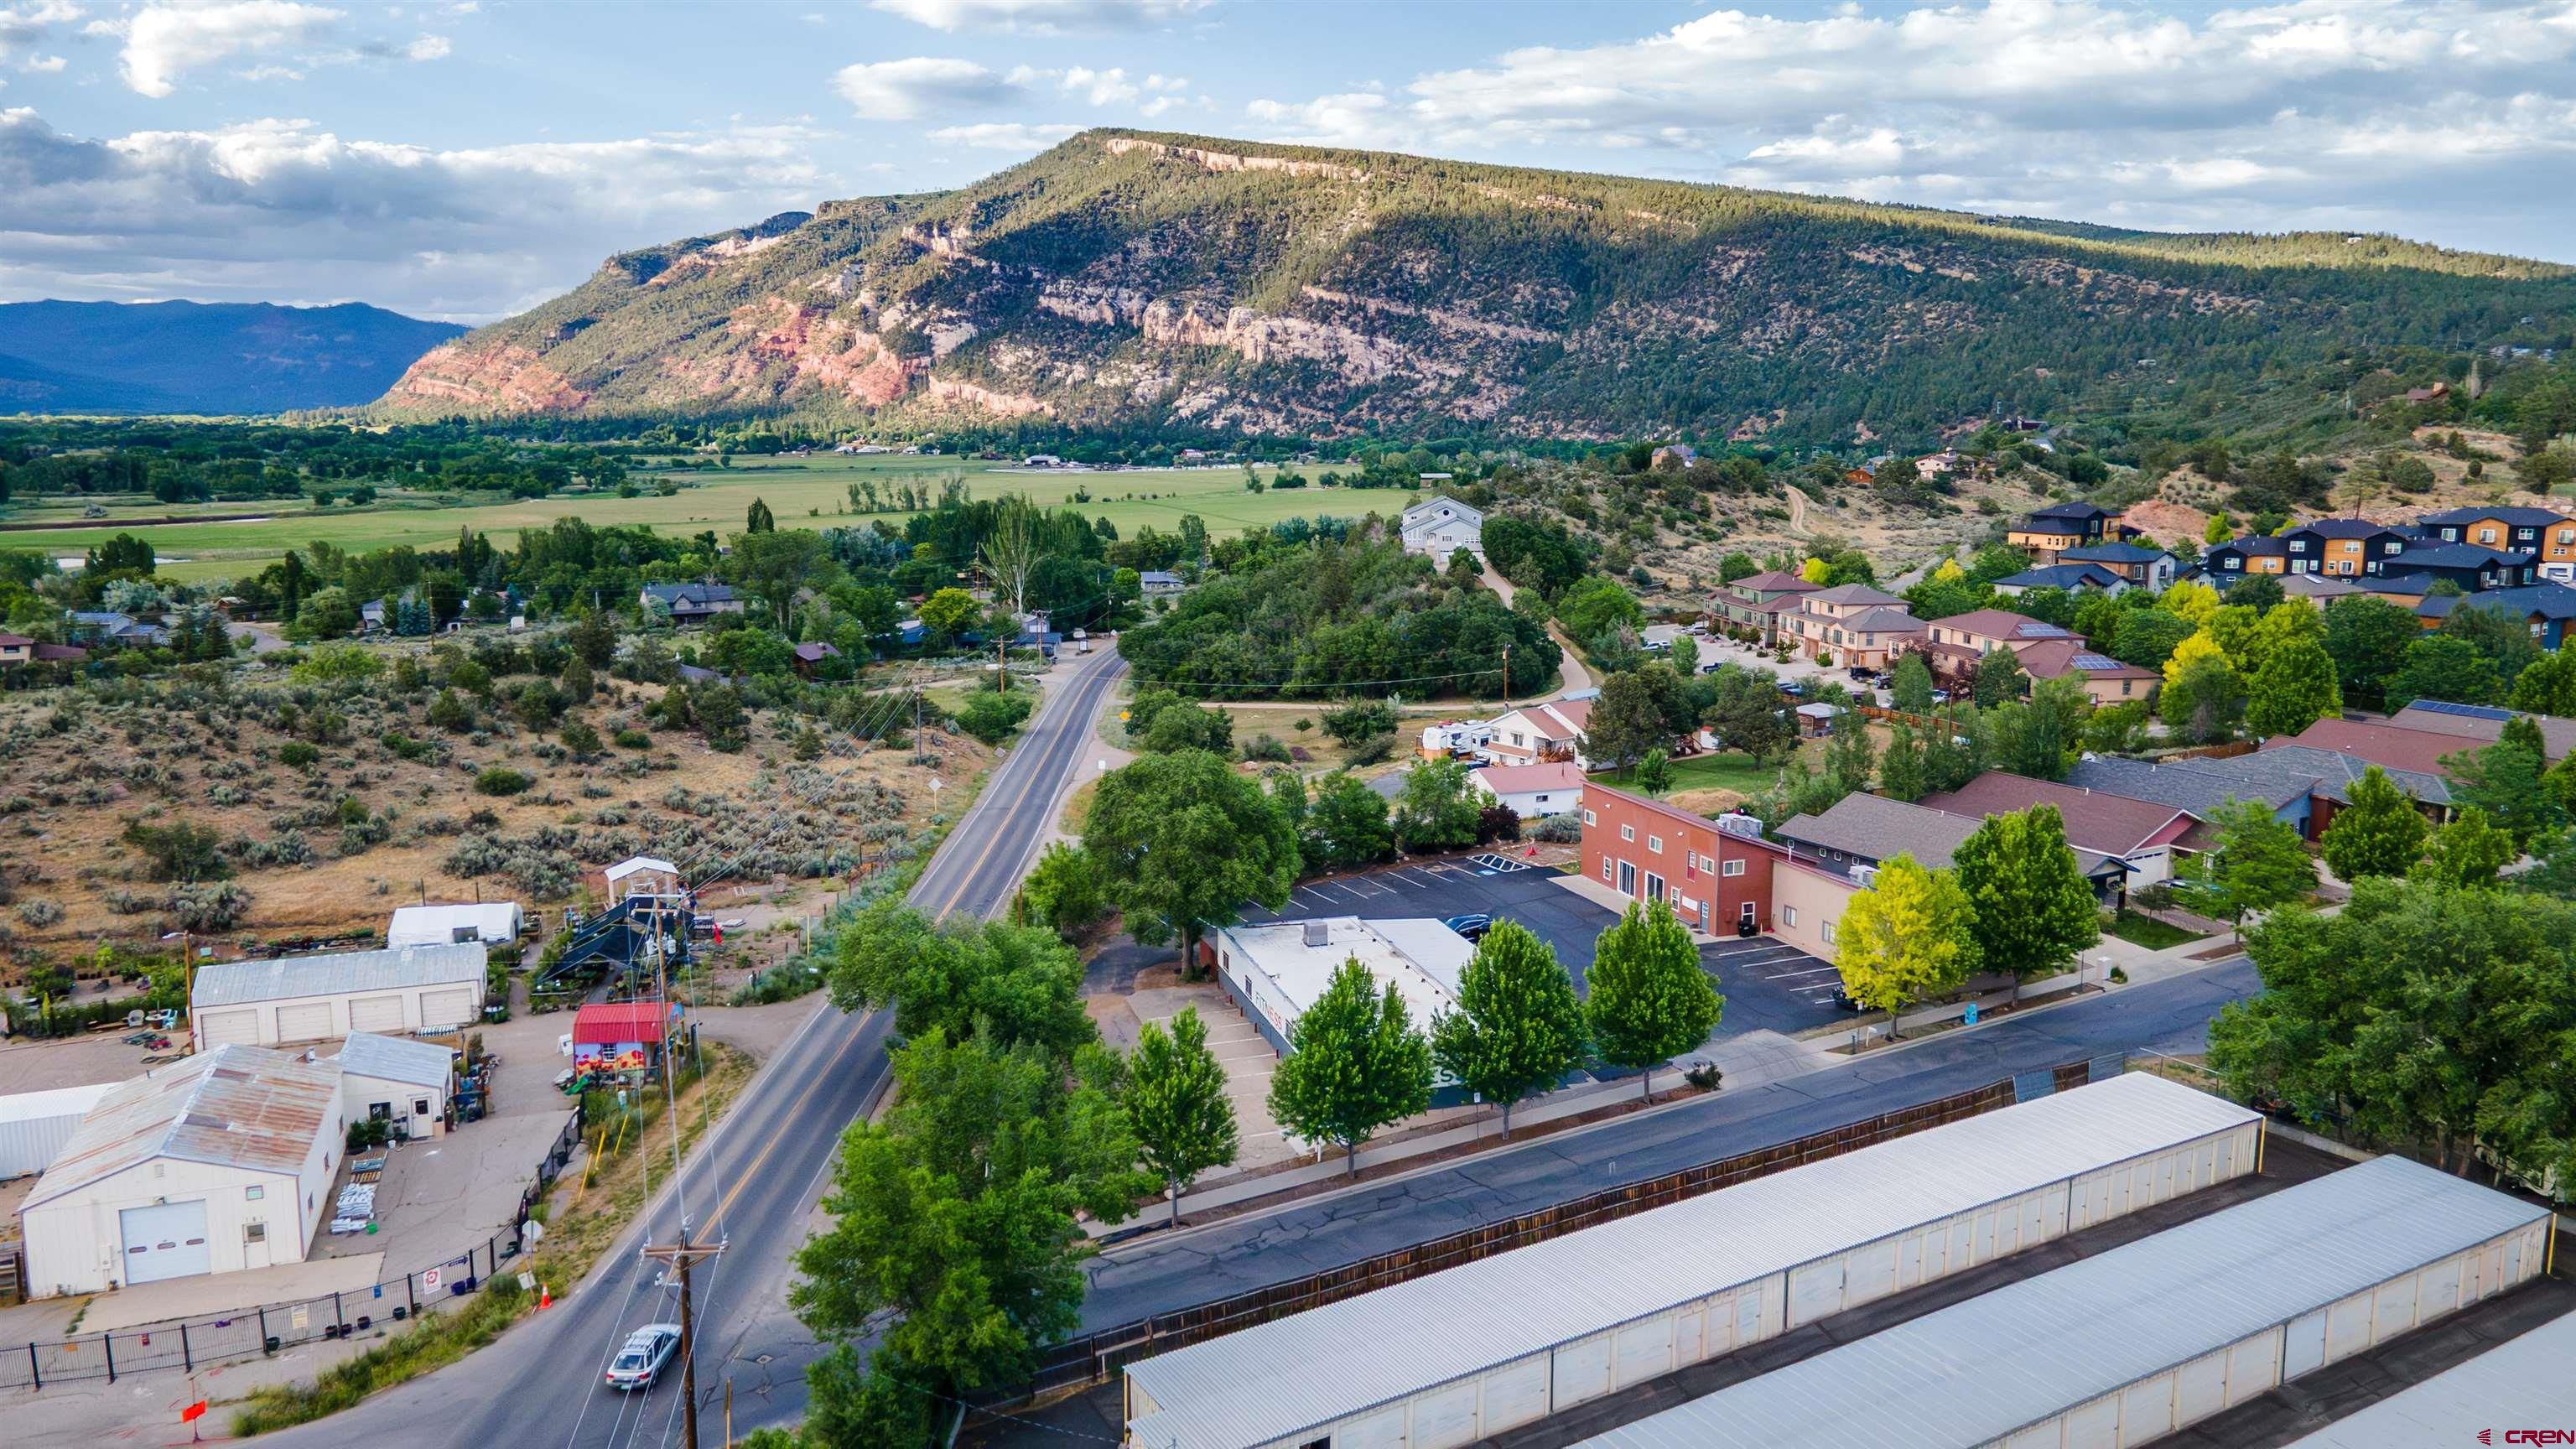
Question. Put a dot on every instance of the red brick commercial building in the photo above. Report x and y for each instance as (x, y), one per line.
(1716, 877)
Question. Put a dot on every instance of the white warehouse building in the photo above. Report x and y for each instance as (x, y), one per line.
(35, 1125)
(299, 999)
(406, 1083)
(2150, 1337)
(216, 1164)
(1467, 1353)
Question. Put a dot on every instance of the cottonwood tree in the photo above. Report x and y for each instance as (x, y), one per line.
(1648, 1000)
(1518, 1028)
(1437, 809)
(1907, 937)
(1176, 1103)
(2506, 780)
(2379, 832)
(1355, 1064)
(2030, 908)
(1011, 551)
(1346, 825)
(1182, 840)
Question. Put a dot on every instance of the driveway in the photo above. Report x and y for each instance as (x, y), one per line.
(1716, 650)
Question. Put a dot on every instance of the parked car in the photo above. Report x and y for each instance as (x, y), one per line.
(1844, 1002)
(1712, 666)
(647, 1352)
(1473, 927)
(1862, 672)
(1940, 696)
(1793, 689)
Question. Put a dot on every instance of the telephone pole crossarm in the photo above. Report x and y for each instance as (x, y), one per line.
(685, 1255)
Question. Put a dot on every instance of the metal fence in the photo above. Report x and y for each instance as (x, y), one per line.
(190, 1344)
(1093, 1358)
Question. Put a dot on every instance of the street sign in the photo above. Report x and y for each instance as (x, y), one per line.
(429, 1279)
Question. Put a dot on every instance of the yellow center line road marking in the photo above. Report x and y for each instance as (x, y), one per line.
(751, 1172)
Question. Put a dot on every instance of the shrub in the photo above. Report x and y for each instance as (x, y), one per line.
(212, 906)
(39, 913)
(179, 851)
(501, 780)
(1266, 749)
(1497, 822)
(1566, 829)
(297, 755)
(405, 746)
(634, 740)
(1373, 750)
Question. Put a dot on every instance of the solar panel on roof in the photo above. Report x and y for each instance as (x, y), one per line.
(2467, 711)
(2095, 661)
(2045, 631)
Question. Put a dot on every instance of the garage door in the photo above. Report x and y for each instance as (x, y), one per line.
(447, 1006)
(223, 1027)
(304, 1021)
(167, 1240)
(376, 1013)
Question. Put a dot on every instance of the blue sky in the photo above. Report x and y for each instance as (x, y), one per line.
(467, 160)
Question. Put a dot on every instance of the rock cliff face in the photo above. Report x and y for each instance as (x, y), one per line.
(1132, 280)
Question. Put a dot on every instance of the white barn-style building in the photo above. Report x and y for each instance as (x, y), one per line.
(322, 998)
(1442, 526)
(406, 1083)
(216, 1164)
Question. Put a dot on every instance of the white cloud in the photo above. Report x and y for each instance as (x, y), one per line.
(2242, 117)
(1005, 135)
(428, 47)
(44, 65)
(1100, 87)
(164, 42)
(908, 90)
(1044, 17)
(284, 211)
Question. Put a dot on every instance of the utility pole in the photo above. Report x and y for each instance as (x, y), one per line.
(1002, 661)
(1507, 676)
(684, 1255)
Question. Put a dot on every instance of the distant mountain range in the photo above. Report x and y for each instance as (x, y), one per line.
(192, 357)
(1135, 279)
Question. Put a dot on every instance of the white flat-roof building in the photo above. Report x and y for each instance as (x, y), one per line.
(317, 998)
(1533, 792)
(2150, 1337)
(35, 1125)
(216, 1164)
(492, 923)
(2524, 1383)
(403, 1082)
(1467, 1353)
(1276, 972)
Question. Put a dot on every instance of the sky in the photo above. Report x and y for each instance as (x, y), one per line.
(467, 160)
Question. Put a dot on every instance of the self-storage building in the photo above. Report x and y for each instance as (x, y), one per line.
(2136, 1343)
(2523, 1384)
(297, 999)
(1463, 1354)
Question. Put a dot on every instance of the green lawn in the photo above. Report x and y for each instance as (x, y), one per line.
(1724, 771)
(2149, 932)
(810, 492)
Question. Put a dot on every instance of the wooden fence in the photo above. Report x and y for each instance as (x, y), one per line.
(1095, 1357)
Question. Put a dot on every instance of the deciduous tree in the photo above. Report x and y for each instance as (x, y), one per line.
(2469, 851)
(1648, 1000)
(2379, 832)
(2294, 688)
(1437, 809)
(1181, 839)
(1909, 936)
(1176, 1101)
(1355, 1064)
(2255, 862)
(2030, 908)
(1518, 1028)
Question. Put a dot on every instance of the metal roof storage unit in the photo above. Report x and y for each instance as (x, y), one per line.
(317, 998)
(2523, 1382)
(2150, 1337)
(490, 923)
(35, 1125)
(1459, 1355)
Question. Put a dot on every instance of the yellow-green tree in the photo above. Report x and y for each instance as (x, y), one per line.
(1905, 938)
(1815, 570)
(2192, 599)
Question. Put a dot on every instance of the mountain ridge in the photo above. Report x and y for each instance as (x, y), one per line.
(1142, 279)
(203, 357)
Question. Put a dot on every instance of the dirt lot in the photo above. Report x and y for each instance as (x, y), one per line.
(330, 847)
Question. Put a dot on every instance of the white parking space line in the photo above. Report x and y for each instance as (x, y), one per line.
(1811, 971)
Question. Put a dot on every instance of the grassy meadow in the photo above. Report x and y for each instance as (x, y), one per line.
(809, 492)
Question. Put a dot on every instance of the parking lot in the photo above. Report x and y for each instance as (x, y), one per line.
(1768, 985)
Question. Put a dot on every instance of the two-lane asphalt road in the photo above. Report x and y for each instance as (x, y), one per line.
(754, 1187)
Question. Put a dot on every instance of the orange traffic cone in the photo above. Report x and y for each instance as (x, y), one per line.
(545, 1296)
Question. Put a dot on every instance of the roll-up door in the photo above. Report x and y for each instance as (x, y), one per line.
(447, 1006)
(165, 1240)
(230, 1028)
(376, 1013)
(304, 1021)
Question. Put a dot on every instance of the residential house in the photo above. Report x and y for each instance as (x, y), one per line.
(2050, 531)
(2071, 577)
(810, 656)
(1680, 455)
(2106, 680)
(1852, 626)
(106, 627)
(1440, 527)
(1540, 733)
(1160, 584)
(17, 649)
(374, 617)
(1956, 645)
(2481, 724)
(2143, 566)
(2141, 834)
(2348, 547)
(2545, 533)
(691, 603)
(2317, 588)
(2227, 562)
(1835, 855)
(2474, 567)
(2330, 775)
(1758, 602)
(1716, 873)
(2544, 609)
(1532, 791)
(2391, 746)
(2200, 787)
